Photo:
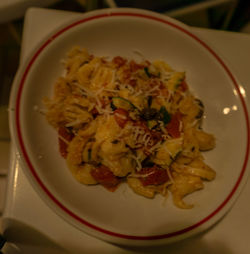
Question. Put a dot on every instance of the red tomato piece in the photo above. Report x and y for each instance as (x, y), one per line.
(119, 61)
(183, 86)
(121, 117)
(63, 148)
(133, 82)
(64, 135)
(173, 127)
(105, 177)
(154, 176)
(135, 66)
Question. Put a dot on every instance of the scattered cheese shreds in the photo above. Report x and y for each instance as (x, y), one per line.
(84, 103)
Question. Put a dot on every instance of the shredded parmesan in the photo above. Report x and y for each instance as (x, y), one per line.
(63, 139)
(121, 116)
(152, 90)
(138, 93)
(99, 91)
(139, 166)
(169, 175)
(141, 175)
(74, 123)
(180, 126)
(155, 147)
(84, 101)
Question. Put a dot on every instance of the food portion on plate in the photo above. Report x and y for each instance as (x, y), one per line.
(122, 121)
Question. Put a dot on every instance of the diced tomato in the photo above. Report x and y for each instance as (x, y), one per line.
(135, 66)
(64, 135)
(163, 90)
(63, 148)
(119, 61)
(133, 82)
(183, 86)
(173, 127)
(121, 116)
(126, 74)
(105, 177)
(154, 176)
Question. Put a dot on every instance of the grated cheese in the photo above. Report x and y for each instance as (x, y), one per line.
(63, 139)
(139, 166)
(73, 123)
(141, 175)
(146, 139)
(155, 147)
(104, 80)
(138, 93)
(169, 175)
(152, 90)
(99, 91)
(121, 116)
(180, 126)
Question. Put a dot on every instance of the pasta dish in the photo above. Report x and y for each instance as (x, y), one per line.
(122, 121)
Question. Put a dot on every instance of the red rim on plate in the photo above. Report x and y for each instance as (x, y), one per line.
(56, 201)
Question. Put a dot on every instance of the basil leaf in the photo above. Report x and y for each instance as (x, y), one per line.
(164, 115)
(147, 72)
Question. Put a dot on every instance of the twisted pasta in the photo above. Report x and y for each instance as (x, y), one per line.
(123, 121)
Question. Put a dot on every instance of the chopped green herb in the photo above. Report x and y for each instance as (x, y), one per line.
(147, 163)
(147, 72)
(119, 102)
(112, 106)
(164, 115)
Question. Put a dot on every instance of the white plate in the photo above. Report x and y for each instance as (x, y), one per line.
(123, 217)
